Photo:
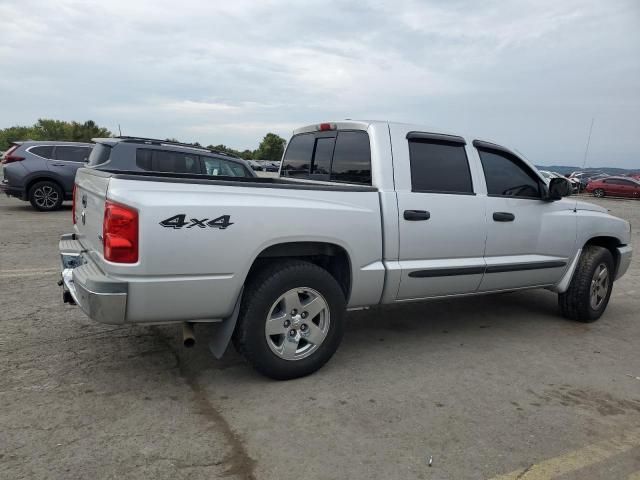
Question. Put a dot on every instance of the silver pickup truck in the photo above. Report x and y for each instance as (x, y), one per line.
(363, 213)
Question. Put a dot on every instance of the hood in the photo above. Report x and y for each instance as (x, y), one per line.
(580, 205)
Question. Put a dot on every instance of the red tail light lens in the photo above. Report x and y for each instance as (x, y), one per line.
(323, 127)
(73, 204)
(9, 157)
(120, 233)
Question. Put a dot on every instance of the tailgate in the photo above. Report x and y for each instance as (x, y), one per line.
(91, 192)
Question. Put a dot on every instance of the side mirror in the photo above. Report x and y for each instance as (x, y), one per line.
(558, 188)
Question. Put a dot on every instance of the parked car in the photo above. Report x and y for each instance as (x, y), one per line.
(257, 167)
(269, 166)
(42, 172)
(549, 175)
(614, 187)
(348, 225)
(583, 178)
(139, 154)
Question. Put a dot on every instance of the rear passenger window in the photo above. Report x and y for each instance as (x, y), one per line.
(44, 151)
(167, 161)
(72, 154)
(507, 176)
(439, 166)
(343, 156)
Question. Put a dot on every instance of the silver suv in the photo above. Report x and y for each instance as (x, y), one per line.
(43, 172)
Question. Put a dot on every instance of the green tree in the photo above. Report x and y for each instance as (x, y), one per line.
(14, 134)
(224, 149)
(247, 154)
(49, 129)
(271, 148)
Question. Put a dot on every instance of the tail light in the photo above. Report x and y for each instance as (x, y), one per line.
(73, 204)
(9, 157)
(323, 127)
(120, 233)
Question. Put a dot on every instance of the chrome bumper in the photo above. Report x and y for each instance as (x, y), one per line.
(624, 260)
(101, 298)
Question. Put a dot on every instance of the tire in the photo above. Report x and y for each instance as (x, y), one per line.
(598, 192)
(46, 196)
(267, 303)
(577, 303)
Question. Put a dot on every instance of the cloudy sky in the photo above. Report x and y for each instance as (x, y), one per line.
(529, 74)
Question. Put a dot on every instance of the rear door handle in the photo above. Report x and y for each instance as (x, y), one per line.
(503, 217)
(414, 215)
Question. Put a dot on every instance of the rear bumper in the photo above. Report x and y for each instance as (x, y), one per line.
(10, 191)
(101, 298)
(624, 260)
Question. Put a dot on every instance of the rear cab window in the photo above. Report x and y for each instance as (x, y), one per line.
(336, 156)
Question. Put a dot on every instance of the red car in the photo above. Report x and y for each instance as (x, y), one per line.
(614, 187)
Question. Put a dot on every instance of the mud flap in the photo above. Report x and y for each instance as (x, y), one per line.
(218, 344)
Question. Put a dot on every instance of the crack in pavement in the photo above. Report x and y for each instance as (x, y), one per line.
(238, 460)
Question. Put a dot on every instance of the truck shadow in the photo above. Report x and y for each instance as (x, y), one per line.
(420, 325)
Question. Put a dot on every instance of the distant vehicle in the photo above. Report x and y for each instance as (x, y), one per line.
(138, 154)
(269, 166)
(583, 178)
(549, 175)
(42, 172)
(614, 187)
(257, 167)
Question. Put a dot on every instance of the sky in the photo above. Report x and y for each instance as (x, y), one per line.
(527, 74)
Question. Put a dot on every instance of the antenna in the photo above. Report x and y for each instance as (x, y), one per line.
(586, 150)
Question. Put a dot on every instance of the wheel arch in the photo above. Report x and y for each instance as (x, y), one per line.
(44, 177)
(329, 256)
(611, 244)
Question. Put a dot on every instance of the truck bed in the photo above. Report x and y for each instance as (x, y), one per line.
(200, 235)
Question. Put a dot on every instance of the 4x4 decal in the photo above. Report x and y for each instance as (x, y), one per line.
(180, 220)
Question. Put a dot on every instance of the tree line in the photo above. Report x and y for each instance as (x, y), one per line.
(271, 147)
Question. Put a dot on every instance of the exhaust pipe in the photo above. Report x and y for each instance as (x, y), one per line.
(188, 335)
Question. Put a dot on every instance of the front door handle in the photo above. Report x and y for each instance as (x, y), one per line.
(503, 217)
(414, 215)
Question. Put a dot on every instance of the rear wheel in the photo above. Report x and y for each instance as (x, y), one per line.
(46, 196)
(598, 192)
(588, 294)
(291, 319)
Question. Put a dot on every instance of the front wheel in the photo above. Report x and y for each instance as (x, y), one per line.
(291, 319)
(598, 192)
(588, 294)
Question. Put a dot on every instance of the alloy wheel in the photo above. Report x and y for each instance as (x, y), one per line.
(297, 323)
(599, 286)
(46, 197)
